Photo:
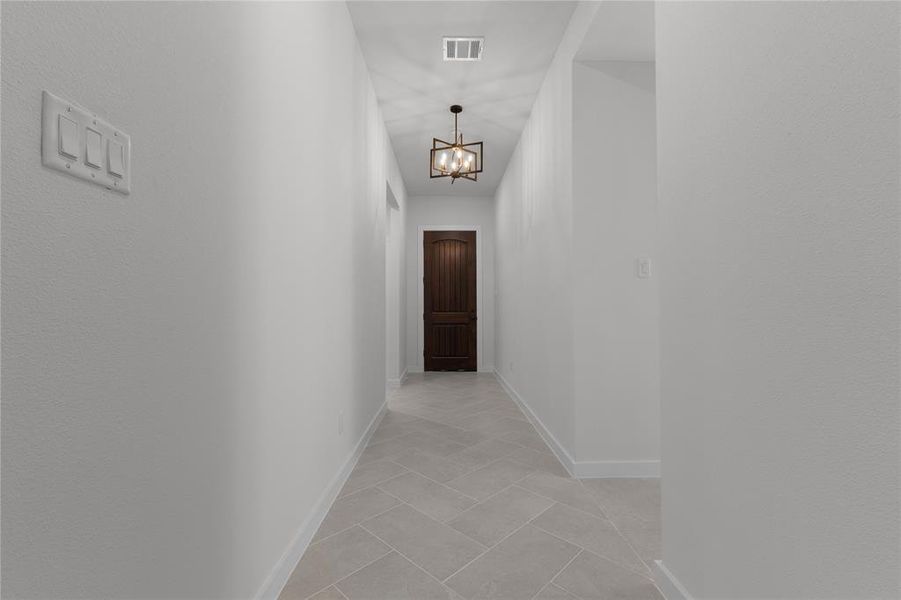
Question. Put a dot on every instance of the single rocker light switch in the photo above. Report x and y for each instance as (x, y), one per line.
(68, 137)
(116, 164)
(93, 148)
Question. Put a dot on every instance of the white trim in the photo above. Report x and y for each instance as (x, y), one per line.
(419, 369)
(421, 271)
(582, 469)
(600, 469)
(282, 570)
(671, 587)
(558, 449)
(393, 384)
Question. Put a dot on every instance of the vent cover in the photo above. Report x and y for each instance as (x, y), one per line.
(463, 48)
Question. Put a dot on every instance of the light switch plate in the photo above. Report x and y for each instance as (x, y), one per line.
(643, 267)
(85, 160)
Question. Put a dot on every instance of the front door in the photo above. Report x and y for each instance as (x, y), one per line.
(449, 300)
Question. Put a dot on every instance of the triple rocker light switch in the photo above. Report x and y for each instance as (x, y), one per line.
(80, 144)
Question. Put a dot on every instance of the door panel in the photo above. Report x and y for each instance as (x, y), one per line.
(449, 296)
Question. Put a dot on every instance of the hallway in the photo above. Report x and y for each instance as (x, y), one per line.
(457, 496)
(400, 299)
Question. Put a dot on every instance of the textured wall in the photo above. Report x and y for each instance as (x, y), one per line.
(616, 338)
(778, 131)
(174, 361)
(396, 292)
(534, 248)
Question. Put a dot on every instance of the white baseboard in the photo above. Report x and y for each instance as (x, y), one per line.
(669, 586)
(279, 575)
(582, 469)
(600, 469)
(418, 369)
(558, 449)
(393, 384)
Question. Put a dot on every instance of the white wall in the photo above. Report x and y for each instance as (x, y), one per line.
(174, 361)
(616, 314)
(425, 212)
(577, 331)
(534, 353)
(778, 129)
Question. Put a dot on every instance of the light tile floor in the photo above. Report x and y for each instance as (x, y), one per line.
(457, 496)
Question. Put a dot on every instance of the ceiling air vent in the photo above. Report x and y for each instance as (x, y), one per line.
(463, 48)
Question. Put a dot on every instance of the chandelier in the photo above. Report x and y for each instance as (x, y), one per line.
(455, 159)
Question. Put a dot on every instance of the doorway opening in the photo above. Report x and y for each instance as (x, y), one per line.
(394, 291)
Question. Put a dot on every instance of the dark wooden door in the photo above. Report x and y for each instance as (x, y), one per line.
(449, 298)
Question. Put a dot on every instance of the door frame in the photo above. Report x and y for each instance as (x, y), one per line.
(420, 294)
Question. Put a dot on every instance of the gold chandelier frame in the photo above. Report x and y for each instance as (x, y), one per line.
(457, 160)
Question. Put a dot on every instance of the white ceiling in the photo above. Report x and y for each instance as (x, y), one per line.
(401, 43)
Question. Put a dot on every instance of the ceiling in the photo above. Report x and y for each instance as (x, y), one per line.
(401, 43)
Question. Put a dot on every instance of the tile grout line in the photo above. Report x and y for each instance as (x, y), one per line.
(431, 518)
(405, 557)
(464, 474)
(335, 585)
(612, 524)
(485, 466)
(477, 413)
(331, 535)
(401, 500)
(584, 549)
(455, 426)
(463, 512)
(618, 532)
(476, 500)
(499, 542)
(554, 503)
(464, 429)
(557, 574)
(567, 504)
(349, 574)
(368, 487)
(393, 437)
(500, 458)
(493, 460)
(481, 413)
(551, 583)
(380, 482)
